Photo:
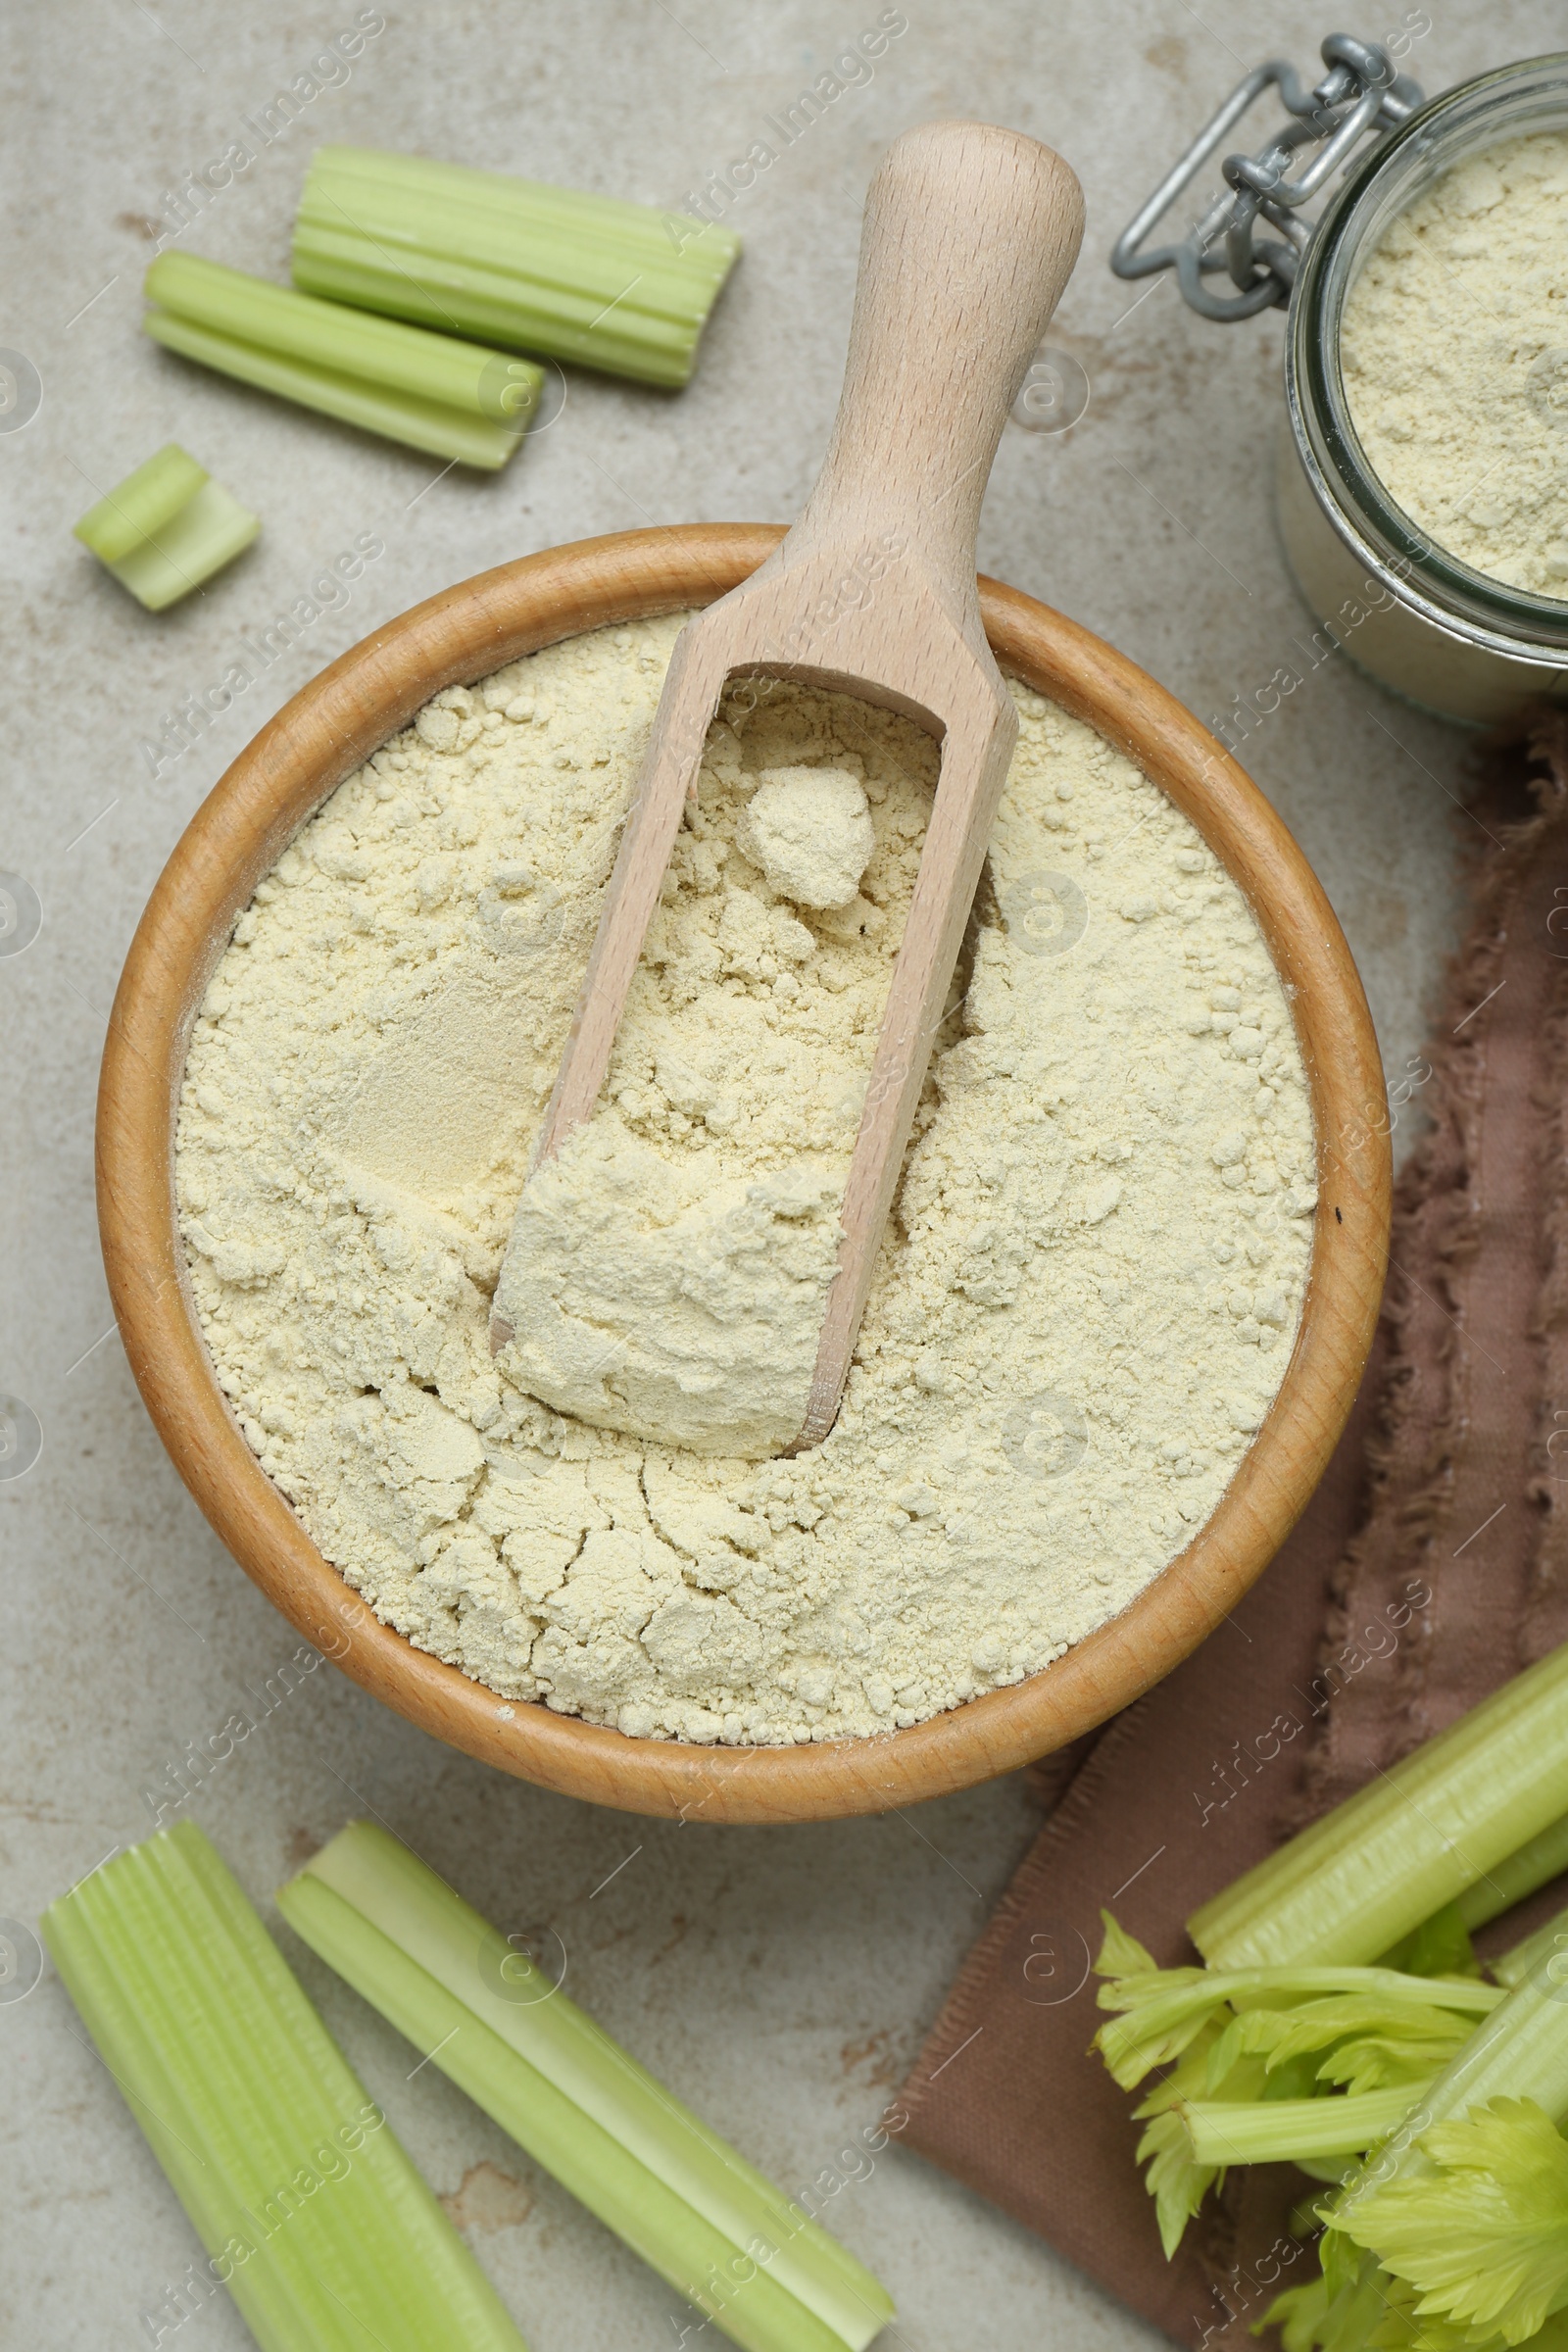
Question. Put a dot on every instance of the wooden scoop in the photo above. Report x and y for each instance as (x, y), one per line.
(970, 234)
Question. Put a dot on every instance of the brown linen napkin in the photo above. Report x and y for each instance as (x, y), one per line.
(1431, 1565)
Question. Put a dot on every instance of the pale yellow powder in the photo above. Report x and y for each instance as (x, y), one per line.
(1084, 1300)
(1455, 353)
(655, 1293)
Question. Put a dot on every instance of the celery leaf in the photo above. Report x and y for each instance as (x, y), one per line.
(1485, 2241)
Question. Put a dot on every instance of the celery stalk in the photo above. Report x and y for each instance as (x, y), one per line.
(1519, 2051)
(1277, 2131)
(456, 400)
(210, 530)
(323, 334)
(411, 282)
(643, 230)
(142, 503)
(468, 233)
(707, 2221)
(418, 423)
(308, 2208)
(1547, 1948)
(1441, 1821)
(615, 286)
(166, 529)
(1533, 1866)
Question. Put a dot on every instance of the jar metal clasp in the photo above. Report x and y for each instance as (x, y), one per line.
(1362, 95)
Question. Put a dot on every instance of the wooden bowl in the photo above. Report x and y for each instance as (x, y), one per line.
(242, 828)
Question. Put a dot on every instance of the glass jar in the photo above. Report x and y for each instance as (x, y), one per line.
(1450, 638)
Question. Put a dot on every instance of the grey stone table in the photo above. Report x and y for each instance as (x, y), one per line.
(781, 1979)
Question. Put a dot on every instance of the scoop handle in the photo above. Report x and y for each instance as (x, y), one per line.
(970, 234)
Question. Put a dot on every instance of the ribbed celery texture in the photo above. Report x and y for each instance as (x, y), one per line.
(711, 2225)
(310, 2210)
(166, 529)
(1226, 2131)
(621, 288)
(1519, 2052)
(1509, 1881)
(1412, 1839)
(454, 399)
(1546, 1950)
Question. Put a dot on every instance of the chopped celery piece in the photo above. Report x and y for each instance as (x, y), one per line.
(141, 504)
(707, 2221)
(210, 530)
(310, 2210)
(457, 400)
(621, 288)
(166, 529)
(1226, 2131)
(323, 334)
(1441, 1821)
(396, 417)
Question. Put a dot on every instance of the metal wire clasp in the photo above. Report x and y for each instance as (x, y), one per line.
(1360, 94)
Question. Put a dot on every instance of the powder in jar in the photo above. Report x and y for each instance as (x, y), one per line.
(1454, 347)
(1084, 1301)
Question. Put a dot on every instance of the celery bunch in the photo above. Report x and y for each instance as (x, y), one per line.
(1342, 2015)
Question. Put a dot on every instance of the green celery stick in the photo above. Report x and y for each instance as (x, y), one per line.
(1442, 1820)
(470, 440)
(1520, 2051)
(526, 316)
(1274, 2130)
(210, 530)
(642, 229)
(166, 529)
(308, 2208)
(1521, 1873)
(383, 352)
(535, 259)
(707, 2221)
(621, 288)
(142, 503)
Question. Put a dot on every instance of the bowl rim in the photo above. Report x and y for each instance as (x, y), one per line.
(320, 737)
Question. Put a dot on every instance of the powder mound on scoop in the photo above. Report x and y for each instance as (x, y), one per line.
(810, 830)
(665, 1301)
